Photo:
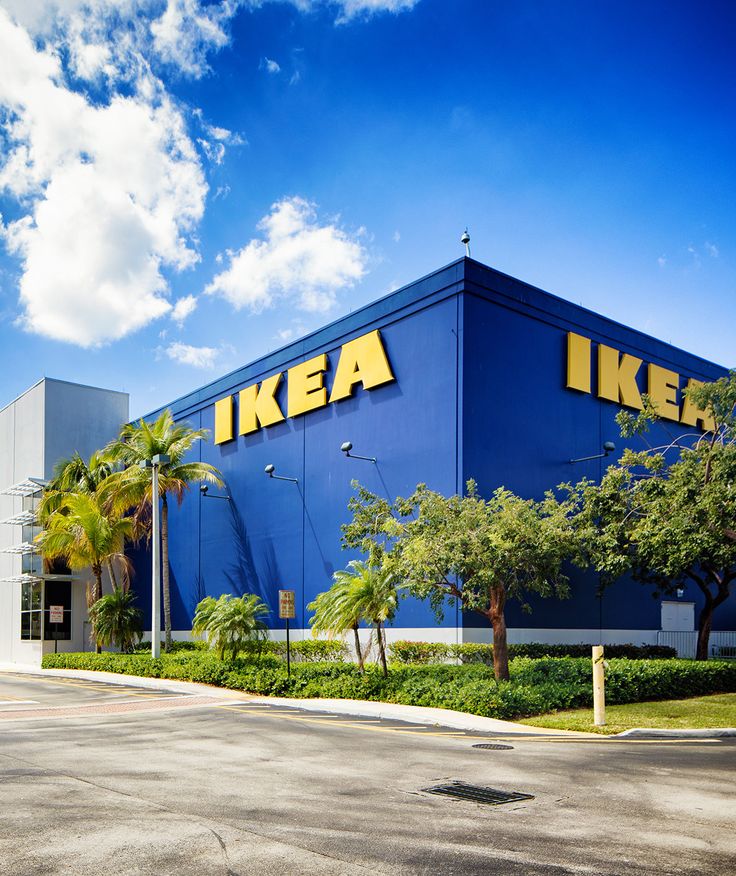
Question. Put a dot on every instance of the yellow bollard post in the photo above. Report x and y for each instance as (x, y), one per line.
(599, 689)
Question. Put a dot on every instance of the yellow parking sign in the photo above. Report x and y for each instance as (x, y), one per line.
(287, 610)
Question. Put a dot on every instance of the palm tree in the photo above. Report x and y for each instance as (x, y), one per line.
(335, 613)
(360, 592)
(116, 620)
(75, 475)
(84, 533)
(132, 487)
(231, 623)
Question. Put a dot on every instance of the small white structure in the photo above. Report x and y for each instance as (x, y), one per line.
(41, 612)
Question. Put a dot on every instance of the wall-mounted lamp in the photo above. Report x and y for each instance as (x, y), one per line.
(347, 446)
(680, 592)
(204, 488)
(270, 469)
(608, 447)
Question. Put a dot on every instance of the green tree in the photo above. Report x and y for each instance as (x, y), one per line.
(667, 514)
(373, 593)
(231, 623)
(116, 620)
(334, 613)
(85, 534)
(359, 593)
(131, 488)
(76, 475)
(480, 552)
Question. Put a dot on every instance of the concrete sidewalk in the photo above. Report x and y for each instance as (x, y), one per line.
(365, 708)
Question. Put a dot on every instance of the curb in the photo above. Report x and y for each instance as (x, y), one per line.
(656, 733)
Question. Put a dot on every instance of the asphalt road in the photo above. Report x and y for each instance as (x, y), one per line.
(99, 779)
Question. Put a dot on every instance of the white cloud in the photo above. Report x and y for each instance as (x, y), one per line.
(270, 66)
(299, 259)
(712, 250)
(109, 194)
(187, 30)
(183, 308)
(197, 357)
(350, 9)
(662, 261)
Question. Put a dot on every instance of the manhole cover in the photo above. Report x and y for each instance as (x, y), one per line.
(477, 793)
(493, 746)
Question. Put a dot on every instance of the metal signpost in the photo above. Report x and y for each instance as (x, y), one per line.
(287, 612)
(56, 616)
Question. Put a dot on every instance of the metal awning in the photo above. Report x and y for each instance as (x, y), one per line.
(25, 518)
(22, 488)
(27, 578)
(22, 549)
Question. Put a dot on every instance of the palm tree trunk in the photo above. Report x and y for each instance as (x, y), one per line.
(97, 571)
(358, 652)
(111, 569)
(165, 570)
(382, 649)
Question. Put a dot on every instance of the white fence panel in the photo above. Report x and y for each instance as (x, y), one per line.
(684, 641)
(722, 643)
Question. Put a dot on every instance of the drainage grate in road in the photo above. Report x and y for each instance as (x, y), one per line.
(477, 794)
(493, 746)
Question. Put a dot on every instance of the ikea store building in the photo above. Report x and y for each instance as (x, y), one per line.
(465, 373)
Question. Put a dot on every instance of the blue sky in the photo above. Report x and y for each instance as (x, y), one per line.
(188, 185)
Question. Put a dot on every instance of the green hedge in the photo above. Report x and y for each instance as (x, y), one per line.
(307, 651)
(536, 686)
(471, 652)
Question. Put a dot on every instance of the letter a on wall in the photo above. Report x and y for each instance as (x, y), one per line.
(363, 361)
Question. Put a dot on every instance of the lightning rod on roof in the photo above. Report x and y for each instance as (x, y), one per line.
(466, 240)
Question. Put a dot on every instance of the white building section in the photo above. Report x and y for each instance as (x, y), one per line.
(47, 423)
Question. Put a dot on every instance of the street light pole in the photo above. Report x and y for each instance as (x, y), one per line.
(156, 559)
(154, 464)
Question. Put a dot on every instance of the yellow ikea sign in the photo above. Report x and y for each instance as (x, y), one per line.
(617, 382)
(361, 361)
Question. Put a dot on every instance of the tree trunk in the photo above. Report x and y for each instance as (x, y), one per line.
(705, 621)
(97, 571)
(382, 649)
(112, 575)
(165, 570)
(498, 622)
(358, 652)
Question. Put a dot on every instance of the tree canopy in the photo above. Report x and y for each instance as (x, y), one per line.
(667, 514)
(478, 551)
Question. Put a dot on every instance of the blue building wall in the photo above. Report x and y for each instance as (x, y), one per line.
(479, 360)
(521, 426)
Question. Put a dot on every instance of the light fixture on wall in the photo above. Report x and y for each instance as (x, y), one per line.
(204, 490)
(608, 447)
(680, 592)
(270, 469)
(347, 446)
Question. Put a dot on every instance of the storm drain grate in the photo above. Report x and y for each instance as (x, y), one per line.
(477, 794)
(493, 746)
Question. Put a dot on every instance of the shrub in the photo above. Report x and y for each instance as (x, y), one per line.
(175, 647)
(536, 685)
(472, 652)
(418, 652)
